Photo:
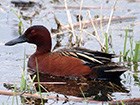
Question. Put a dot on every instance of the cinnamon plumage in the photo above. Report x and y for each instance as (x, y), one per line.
(73, 62)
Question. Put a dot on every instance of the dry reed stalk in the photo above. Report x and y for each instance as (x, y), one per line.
(86, 23)
(83, 7)
(97, 37)
(101, 20)
(52, 83)
(70, 20)
(10, 93)
(57, 83)
(80, 26)
(111, 15)
(106, 34)
(97, 21)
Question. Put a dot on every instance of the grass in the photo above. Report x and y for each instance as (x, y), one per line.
(130, 54)
(83, 94)
(125, 53)
(106, 43)
(25, 86)
(137, 52)
(136, 57)
(20, 23)
(122, 103)
(38, 79)
(23, 83)
(15, 97)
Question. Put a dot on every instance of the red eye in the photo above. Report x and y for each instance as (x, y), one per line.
(33, 31)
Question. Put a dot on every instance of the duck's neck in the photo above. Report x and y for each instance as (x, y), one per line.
(44, 47)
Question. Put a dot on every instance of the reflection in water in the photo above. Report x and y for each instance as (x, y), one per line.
(24, 5)
(80, 87)
(131, 0)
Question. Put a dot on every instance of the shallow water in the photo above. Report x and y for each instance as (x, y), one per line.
(11, 62)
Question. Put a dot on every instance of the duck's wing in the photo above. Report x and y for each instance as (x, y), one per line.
(99, 62)
(88, 56)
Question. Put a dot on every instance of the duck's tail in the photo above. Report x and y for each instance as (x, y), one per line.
(109, 71)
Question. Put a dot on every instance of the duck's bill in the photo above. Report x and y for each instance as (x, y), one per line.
(20, 39)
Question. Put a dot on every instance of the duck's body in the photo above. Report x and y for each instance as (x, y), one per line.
(66, 62)
(58, 65)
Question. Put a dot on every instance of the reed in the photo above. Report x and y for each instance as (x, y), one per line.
(14, 98)
(125, 52)
(130, 54)
(136, 57)
(106, 43)
(122, 103)
(83, 94)
(23, 82)
(137, 52)
(39, 85)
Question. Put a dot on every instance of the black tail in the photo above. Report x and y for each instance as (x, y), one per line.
(109, 71)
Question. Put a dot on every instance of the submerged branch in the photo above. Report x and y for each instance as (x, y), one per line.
(45, 96)
(74, 99)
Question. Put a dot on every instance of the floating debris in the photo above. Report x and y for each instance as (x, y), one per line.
(23, 4)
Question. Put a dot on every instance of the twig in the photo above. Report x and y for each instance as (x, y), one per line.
(111, 15)
(46, 96)
(57, 83)
(52, 83)
(80, 26)
(96, 32)
(74, 99)
(70, 20)
(10, 93)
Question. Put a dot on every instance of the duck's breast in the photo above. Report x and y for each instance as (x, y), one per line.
(58, 65)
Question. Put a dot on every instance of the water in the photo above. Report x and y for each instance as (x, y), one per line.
(11, 62)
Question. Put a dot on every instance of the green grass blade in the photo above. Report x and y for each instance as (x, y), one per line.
(125, 43)
(38, 79)
(137, 52)
(131, 48)
(23, 83)
(20, 27)
(120, 57)
(106, 43)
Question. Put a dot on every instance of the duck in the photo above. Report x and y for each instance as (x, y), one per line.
(66, 62)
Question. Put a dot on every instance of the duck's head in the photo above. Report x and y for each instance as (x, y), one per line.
(38, 35)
